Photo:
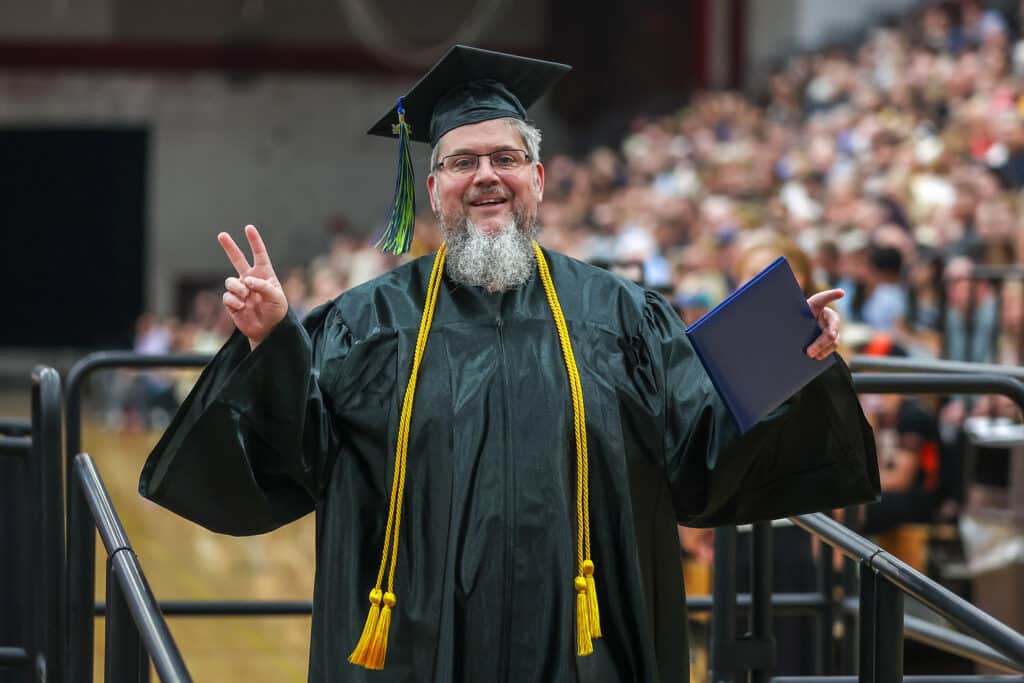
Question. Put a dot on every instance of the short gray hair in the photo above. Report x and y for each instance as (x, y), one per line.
(530, 134)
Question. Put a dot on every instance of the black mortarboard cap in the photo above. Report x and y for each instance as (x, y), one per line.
(467, 85)
(470, 85)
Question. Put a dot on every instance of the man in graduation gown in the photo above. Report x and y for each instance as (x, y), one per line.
(484, 577)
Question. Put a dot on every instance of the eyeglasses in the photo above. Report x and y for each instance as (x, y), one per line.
(502, 160)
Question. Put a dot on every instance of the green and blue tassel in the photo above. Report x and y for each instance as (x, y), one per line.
(397, 235)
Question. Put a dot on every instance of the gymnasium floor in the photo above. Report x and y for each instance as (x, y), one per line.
(184, 561)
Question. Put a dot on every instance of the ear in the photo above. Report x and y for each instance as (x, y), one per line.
(431, 183)
(538, 179)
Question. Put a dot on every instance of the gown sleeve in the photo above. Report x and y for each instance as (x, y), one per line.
(815, 452)
(248, 449)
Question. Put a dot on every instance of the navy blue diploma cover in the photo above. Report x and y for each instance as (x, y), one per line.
(753, 345)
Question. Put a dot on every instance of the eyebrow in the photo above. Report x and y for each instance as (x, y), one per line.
(467, 150)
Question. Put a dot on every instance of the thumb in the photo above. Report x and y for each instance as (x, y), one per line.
(819, 301)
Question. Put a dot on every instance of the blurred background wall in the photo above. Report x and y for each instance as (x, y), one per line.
(777, 27)
(133, 130)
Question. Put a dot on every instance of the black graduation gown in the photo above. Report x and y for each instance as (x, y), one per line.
(486, 563)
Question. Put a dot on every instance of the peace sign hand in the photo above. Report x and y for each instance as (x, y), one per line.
(255, 299)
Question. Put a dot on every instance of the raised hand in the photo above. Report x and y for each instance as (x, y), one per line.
(828, 321)
(255, 299)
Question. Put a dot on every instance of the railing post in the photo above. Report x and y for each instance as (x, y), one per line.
(825, 665)
(851, 634)
(723, 607)
(81, 586)
(49, 487)
(20, 629)
(125, 657)
(881, 629)
(868, 617)
(761, 582)
(888, 632)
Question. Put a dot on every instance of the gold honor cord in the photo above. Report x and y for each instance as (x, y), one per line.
(588, 618)
(371, 650)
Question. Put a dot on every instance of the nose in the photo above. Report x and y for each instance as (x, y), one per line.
(485, 173)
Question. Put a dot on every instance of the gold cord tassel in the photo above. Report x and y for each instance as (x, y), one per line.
(359, 655)
(588, 619)
(595, 615)
(584, 644)
(372, 648)
(379, 645)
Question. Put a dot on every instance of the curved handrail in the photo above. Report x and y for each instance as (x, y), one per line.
(957, 643)
(939, 383)
(981, 625)
(80, 543)
(894, 578)
(124, 567)
(988, 630)
(886, 364)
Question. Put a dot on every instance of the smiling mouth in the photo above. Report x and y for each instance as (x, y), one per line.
(494, 201)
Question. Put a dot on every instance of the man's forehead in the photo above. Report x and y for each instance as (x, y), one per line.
(480, 137)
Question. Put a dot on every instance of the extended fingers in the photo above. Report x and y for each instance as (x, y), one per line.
(260, 256)
(234, 254)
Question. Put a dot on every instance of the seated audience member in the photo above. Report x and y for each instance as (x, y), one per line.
(885, 307)
(907, 438)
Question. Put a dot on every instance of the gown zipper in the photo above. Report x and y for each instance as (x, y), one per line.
(507, 560)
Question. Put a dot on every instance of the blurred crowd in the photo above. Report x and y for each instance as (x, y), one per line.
(891, 168)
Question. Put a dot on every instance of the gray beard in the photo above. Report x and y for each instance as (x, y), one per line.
(497, 263)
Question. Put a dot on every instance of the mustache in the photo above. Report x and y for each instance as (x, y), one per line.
(488, 194)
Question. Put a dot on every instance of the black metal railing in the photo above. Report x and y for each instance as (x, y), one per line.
(906, 679)
(227, 608)
(48, 483)
(953, 642)
(986, 630)
(135, 629)
(82, 606)
(883, 581)
(15, 455)
(881, 619)
(39, 443)
(862, 364)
